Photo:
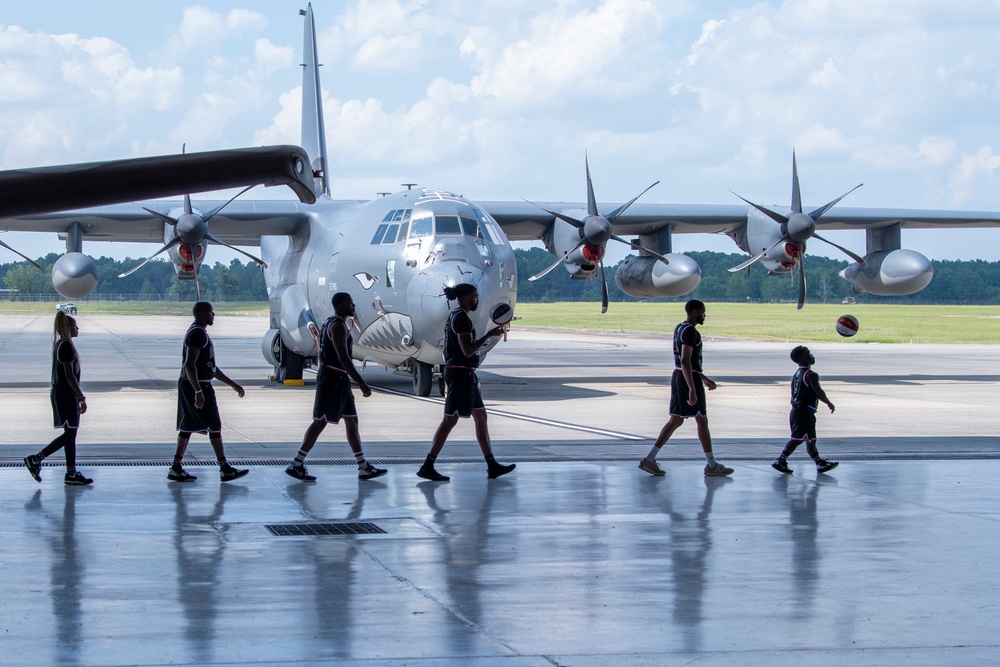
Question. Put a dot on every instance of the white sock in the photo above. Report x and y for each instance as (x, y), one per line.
(710, 458)
(652, 453)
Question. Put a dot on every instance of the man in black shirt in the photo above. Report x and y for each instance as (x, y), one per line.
(806, 395)
(687, 393)
(334, 398)
(462, 396)
(197, 409)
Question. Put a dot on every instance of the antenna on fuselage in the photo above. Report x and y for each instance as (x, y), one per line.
(409, 186)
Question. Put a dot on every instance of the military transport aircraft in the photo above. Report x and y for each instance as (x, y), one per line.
(394, 254)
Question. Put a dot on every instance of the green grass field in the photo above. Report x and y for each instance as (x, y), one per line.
(779, 322)
(764, 322)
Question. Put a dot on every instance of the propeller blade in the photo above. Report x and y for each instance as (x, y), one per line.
(37, 265)
(857, 258)
(565, 218)
(197, 278)
(621, 209)
(777, 217)
(212, 213)
(556, 263)
(187, 204)
(823, 209)
(165, 218)
(796, 193)
(802, 282)
(146, 261)
(604, 290)
(256, 259)
(591, 199)
(750, 261)
(636, 246)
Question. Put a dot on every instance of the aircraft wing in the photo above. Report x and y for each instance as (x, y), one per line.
(239, 223)
(63, 187)
(522, 221)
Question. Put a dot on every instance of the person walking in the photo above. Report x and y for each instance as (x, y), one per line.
(334, 398)
(197, 407)
(68, 402)
(687, 393)
(806, 395)
(462, 397)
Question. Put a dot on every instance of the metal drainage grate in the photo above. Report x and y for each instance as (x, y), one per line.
(322, 529)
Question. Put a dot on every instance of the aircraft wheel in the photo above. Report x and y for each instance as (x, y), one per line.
(423, 376)
(292, 364)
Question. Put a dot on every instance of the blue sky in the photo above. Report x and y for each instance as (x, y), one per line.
(500, 99)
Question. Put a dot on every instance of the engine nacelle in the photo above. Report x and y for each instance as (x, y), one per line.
(298, 329)
(649, 277)
(890, 273)
(74, 275)
(186, 264)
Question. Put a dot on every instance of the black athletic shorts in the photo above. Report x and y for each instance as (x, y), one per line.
(192, 420)
(679, 396)
(334, 398)
(462, 392)
(65, 408)
(803, 424)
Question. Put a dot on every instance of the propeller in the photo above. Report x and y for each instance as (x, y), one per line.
(595, 231)
(797, 228)
(190, 230)
(22, 255)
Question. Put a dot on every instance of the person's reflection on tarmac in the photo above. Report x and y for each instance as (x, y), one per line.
(801, 497)
(200, 553)
(67, 575)
(467, 556)
(333, 615)
(689, 545)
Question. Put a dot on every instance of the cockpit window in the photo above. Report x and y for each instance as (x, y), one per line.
(470, 227)
(422, 227)
(379, 234)
(390, 234)
(447, 225)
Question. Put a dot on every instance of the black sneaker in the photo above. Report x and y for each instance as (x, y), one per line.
(781, 465)
(74, 478)
(34, 465)
(299, 473)
(428, 472)
(228, 473)
(822, 465)
(371, 472)
(498, 470)
(179, 474)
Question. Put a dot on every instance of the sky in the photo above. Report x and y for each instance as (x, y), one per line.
(501, 99)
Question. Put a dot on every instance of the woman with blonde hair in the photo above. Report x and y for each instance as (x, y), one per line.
(68, 402)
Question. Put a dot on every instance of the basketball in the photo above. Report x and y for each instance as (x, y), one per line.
(502, 314)
(847, 325)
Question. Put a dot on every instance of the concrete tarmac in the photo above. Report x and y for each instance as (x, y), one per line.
(576, 558)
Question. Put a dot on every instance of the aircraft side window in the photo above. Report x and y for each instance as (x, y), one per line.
(484, 249)
(390, 234)
(495, 234)
(447, 225)
(404, 229)
(379, 233)
(470, 227)
(406, 214)
(398, 216)
(421, 227)
(388, 216)
(390, 272)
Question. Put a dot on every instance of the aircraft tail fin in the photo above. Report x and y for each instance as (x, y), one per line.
(313, 128)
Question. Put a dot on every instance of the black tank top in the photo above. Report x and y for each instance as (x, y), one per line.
(58, 372)
(803, 395)
(458, 322)
(196, 336)
(686, 334)
(327, 354)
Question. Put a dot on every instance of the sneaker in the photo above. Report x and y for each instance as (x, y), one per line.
(781, 465)
(428, 472)
(371, 472)
(298, 472)
(822, 465)
(228, 473)
(499, 470)
(179, 474)
(651, 467)
(718, 470)
(34, 465)
(74, 478)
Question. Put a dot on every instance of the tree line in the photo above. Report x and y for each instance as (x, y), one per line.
(962, 282)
